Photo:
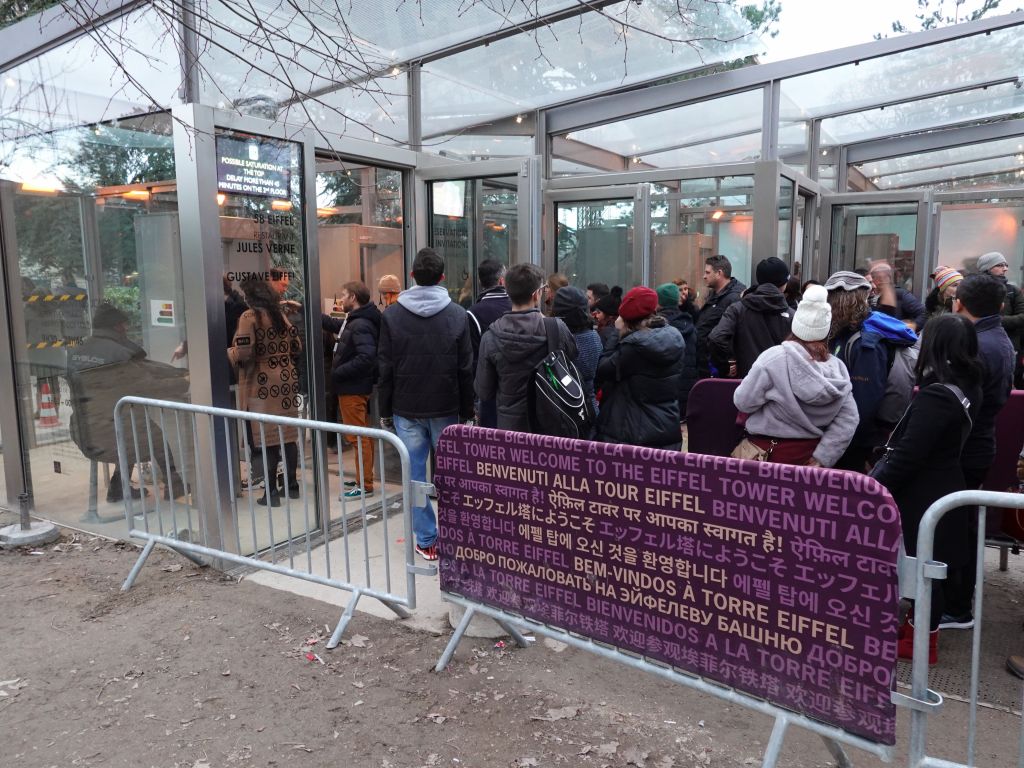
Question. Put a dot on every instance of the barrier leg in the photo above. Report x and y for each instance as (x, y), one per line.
(774, 748)
(346, 617)
(449, 650)
(398, 608)
(837, 752)
(1004, 558)
(189, 556)
(514, 633)
(134, 573)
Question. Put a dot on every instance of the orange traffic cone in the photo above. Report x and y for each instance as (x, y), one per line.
(47, 410)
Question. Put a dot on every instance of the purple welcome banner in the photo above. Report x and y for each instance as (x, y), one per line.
(776, 580)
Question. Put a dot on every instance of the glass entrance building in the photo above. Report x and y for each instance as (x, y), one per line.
(153, 155)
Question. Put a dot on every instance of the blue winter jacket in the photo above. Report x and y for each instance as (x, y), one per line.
(867, 353)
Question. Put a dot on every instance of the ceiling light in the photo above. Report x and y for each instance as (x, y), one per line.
(221, 198)
(717, 215)
(519, 118)
(281, 205)
(39, 188)
(10, 82)
(395, 71)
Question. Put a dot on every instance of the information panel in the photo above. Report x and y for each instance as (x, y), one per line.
(777, 580)
(254, 166)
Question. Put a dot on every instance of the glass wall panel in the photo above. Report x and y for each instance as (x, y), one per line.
(595, 242)
(91, 239)
(785, 250)
(967, 230)
(697, 218)
(472, 220)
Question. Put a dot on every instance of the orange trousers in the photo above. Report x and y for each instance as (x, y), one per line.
(354, 411)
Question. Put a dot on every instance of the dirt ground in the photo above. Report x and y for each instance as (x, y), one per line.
(192, 669)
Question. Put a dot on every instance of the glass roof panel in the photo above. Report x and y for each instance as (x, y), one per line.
(624, 44)
(476, 147)
(925, 114)
(738, 115)
(733, 150)
(962, 62)
(377, 110)
(986, 150)
(79, 83)
(1011, 165)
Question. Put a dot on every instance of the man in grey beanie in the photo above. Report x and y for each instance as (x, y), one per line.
(995, 264)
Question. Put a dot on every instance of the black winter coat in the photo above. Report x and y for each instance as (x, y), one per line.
(426, 363)
(509, 351)
(1013, 316)
(682, 321)
(714, 307)
(997, 361)
(758, 321)
(354, 367)
(492, 304)
(640, 377)
(923, 464)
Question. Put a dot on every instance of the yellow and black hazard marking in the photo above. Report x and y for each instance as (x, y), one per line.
(52, 344)
(56, 297)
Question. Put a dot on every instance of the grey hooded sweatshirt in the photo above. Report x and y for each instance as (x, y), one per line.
(509, 350)
(789, 395)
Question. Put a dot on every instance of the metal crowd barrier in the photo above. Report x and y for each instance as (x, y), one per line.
(164, 440)
(916, 577)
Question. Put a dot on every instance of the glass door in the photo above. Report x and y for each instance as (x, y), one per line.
(867, 228)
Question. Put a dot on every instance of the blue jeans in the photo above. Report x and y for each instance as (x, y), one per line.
(419, 436)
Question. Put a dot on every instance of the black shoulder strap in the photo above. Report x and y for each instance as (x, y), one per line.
(551, 331)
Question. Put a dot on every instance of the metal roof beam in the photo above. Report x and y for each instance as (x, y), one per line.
(916, 143)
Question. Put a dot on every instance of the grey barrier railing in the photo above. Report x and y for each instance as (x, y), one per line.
(308, 530)
(916, 577)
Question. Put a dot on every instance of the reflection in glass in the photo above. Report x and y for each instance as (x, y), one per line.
(865, 233)
(595, 242)
(94, 225)
(472, 220)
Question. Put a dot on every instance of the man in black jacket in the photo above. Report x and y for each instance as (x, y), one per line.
(354, 372)
(979, 298)
(1013, 305)
(723, 291)
(754, 323)
(671, 308)
(492, 304)
(513, 346)
(426, 375)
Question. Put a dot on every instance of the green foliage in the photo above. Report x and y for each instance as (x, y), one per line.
(15, 10)
(126, 298)
(940, 13)
(764, 18)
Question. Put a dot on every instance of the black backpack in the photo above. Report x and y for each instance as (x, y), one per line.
(556, 403)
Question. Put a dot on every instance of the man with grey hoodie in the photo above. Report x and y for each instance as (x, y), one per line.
(425, 358)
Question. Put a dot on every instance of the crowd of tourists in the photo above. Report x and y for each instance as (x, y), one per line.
(827, 374)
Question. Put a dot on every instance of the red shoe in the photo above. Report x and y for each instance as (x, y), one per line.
(905, 647)
(427, 553)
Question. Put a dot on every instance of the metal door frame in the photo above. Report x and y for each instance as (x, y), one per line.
(526, 171)
(925, 244)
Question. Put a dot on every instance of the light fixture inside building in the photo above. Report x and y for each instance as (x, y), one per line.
(395, 71)
(39, 188)
(281, 205)
(136, 194)
(519, 118)
(221, 198)
(717, 215)
(10, 82)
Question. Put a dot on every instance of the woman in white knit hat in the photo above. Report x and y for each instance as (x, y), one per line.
(797, 397)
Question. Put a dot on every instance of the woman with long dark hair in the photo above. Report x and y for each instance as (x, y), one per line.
(922, 460)
(264, 351)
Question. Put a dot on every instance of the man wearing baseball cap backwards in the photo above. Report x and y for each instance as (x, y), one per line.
(639, 375)
(995, 264)
(879, 353)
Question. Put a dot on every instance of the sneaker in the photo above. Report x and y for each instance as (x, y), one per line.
(252, 482)
(351, 483)
(356, 493)
(957, 622)
(275, 500)
(1015, 664)
(427, 553)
